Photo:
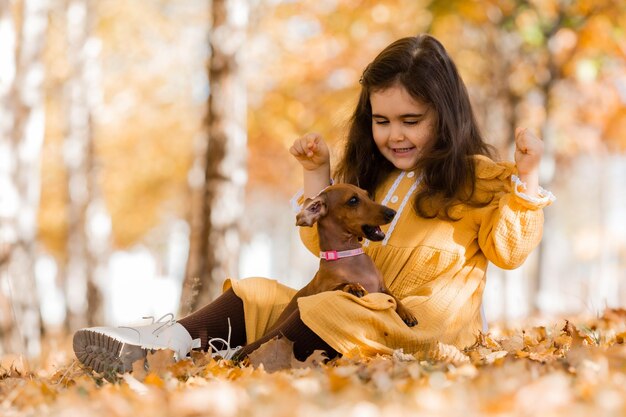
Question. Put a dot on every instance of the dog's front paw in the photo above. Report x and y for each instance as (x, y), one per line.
(410, 320)
(407, 317)
(355, 289)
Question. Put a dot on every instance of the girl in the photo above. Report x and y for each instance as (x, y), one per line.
(415, 146)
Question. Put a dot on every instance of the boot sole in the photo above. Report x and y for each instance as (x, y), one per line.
(103, 353)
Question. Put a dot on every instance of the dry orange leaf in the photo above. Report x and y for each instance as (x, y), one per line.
(139, 369)
(274, 355)
(558, 373)
(153, 379)
(160, 360)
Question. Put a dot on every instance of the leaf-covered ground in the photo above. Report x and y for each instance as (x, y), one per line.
(573, 368)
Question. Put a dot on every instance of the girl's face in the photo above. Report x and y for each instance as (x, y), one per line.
(403, 127)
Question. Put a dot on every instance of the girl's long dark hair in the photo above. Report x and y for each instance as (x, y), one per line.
(422, 66)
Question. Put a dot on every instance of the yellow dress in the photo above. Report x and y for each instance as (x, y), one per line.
(436, 267)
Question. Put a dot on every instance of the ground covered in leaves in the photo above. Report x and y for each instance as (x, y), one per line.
(573, 368)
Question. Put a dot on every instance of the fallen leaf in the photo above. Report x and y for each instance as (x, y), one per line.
(400, 356)
(570, 330)
(201, 358)
(182, 369)
(534, 336)
(513, 344)
(139, 369)
(160, 360)
(448, 354)
(153, 379)
(563, 342)
(275, 355)
(486, 340)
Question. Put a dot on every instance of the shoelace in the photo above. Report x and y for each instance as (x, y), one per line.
(227, 353)
(165, 325)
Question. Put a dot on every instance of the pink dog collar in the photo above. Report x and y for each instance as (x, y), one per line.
(333, 255)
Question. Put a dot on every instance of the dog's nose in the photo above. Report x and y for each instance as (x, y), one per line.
(389, 213)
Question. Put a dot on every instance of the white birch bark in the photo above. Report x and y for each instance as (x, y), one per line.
(82, 291)
(22, 131)
(215, 242)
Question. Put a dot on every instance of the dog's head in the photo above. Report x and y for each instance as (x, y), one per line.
(348, 207)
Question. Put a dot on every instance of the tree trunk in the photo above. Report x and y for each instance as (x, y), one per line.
(218, 200)
(548, 161)
(22, 132)
(83, 296)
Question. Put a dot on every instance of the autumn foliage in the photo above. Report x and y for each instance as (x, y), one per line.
(566, 368)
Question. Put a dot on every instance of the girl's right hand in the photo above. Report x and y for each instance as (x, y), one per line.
(311, 151)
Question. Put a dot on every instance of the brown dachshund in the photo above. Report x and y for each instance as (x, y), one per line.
(345, 215)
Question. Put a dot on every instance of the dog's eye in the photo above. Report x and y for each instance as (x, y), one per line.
(353, 201)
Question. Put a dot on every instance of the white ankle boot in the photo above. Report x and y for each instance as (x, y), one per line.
(116, 348)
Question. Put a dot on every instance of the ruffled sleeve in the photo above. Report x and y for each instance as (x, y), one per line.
(511, 225)
(544, 199)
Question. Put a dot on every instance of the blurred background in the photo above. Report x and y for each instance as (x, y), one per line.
(144, 145)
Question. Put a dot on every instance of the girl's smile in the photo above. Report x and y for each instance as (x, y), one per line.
(402, 151)
(401, 125)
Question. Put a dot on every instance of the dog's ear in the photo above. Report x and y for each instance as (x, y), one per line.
(312, 211)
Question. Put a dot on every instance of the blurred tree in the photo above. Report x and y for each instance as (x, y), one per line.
(82, 293)
(24, 32)
(144, 108)
(152, 93)
(217, 203)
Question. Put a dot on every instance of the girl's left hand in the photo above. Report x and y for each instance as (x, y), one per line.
(528, 151)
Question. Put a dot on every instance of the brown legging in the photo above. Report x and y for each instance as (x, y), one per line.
(211, 321)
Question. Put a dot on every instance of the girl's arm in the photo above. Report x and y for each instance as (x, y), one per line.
(313, 154)
(528, 151)
(512, 225)
(510, 229)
